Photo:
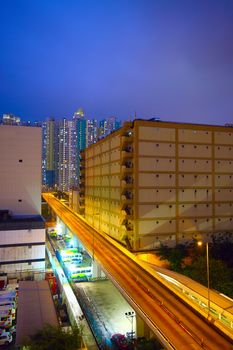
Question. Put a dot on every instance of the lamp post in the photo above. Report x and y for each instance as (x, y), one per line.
(208, 273)
(130, 315)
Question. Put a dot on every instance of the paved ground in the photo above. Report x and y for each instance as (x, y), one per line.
(109, 305)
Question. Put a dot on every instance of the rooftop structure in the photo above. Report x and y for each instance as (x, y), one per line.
(35, 309)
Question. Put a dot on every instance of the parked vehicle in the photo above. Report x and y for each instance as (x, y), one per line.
(8, 294)
(12, 329)
(120, 341)
(5, 321)
(5, 338)
(7, 310)
(8, 301)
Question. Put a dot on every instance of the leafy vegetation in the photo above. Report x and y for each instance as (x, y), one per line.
(190, 260)
(50, 337)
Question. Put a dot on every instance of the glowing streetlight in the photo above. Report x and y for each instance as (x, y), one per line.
(199, 243)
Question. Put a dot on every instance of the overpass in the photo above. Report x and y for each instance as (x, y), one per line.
(159, 304)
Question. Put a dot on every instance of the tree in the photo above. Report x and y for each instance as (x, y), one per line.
(175, 256)
(222, 247)
(51, 337)
(220, 262)
(221, 277)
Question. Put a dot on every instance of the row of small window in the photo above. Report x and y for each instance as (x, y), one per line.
(207, 220)
(157, 161)
(195, 191)
(194, 146)
(195, 161)
(195, 176)
(196, 132)
(195, 205)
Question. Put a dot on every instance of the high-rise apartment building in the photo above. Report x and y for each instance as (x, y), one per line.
(10, 119)
(107, 126)
(154, 182)
(22, 229)
(78, 143)
(91, 132)
(63, 155)
(50, 153)
(63, 142)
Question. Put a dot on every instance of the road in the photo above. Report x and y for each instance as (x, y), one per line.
(176, 324)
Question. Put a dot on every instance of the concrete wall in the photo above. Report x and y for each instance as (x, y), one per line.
(22, 250)
(20, 175)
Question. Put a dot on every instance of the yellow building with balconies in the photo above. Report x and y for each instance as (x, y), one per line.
(154, 182)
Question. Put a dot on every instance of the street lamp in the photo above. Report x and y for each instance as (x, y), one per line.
(199, 243)
(130, 315)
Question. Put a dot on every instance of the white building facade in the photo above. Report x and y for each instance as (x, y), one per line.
(22, 229)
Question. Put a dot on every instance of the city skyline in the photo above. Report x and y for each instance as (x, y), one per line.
(152, 58)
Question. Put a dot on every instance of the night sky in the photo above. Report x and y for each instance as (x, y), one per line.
(171, 59)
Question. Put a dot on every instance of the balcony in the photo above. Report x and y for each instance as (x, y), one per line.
(82, 199)
(82, 191)
(127, 139)
(127, 194)
(127, 163)
(127, 224)
(82, 170)
(128, 179)
(126, 185)
(127, 211)
(81, 179)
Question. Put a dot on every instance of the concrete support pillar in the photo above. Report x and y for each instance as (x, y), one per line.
(142, 330)
(97, 272)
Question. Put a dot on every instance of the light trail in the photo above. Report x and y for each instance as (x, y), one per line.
(177, 325)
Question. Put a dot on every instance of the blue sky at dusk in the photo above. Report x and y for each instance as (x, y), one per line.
(166, 58)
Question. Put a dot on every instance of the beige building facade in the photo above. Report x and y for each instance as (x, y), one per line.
(155, 182)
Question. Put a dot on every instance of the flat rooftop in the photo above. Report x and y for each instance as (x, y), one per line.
(35, 309)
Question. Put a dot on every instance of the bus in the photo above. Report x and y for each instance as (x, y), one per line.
(78, 274)
(8, 294)
(8, 301)
(71, 255)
